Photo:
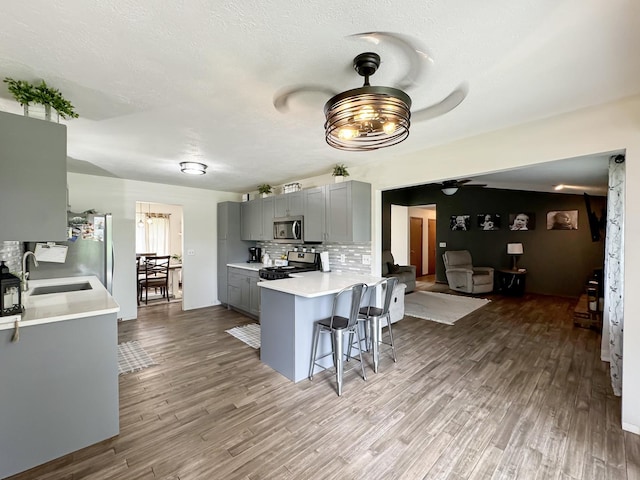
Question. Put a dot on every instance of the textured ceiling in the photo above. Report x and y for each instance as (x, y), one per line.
(158, 84)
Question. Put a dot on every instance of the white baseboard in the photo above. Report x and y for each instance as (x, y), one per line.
(631, 428)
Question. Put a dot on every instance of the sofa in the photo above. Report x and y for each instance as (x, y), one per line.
(404, 273)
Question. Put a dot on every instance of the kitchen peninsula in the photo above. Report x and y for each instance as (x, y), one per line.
(60, 379)
(288, 310)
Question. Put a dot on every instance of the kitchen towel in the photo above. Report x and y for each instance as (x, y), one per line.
(324, 260)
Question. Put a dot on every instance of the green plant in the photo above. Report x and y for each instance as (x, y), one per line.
(264, 188)
(176, 257)
(26, 93)
(340, 171)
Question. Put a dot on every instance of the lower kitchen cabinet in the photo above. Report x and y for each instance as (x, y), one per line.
(243, 291)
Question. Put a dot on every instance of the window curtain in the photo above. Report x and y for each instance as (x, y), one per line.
(613, 317)
(155, 236)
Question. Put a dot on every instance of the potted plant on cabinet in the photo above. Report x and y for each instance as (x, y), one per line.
(339, 172)
(264, 190)
(27, 94)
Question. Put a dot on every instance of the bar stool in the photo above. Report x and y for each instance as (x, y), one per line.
(337, 326)
(372, 316)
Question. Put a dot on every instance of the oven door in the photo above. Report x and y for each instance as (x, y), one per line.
(288, 230)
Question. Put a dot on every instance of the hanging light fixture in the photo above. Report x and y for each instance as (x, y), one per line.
(193, 168)
(367, 118)
(149, 219)
(139, 215)
(449, 190)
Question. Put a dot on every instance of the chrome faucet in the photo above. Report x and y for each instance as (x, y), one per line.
(25, 274)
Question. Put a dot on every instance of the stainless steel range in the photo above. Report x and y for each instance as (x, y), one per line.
(297, 262)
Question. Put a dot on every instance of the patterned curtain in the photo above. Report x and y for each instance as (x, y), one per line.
(614, 270)
(154, 236)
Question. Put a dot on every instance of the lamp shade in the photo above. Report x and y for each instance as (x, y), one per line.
(515, 249)
(193, 168)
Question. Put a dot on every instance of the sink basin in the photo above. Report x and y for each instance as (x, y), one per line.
(68, 287)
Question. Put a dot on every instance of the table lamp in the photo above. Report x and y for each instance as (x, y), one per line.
(516, 250)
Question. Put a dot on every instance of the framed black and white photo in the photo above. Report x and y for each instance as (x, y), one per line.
(522, 221)
(460, 222)
(489, 221)
(562, 220)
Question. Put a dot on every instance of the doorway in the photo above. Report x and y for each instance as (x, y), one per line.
(415, 244)
(159, 230)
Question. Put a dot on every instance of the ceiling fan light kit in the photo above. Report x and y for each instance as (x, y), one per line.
(449, 190)
(193, 168)
(369, 117)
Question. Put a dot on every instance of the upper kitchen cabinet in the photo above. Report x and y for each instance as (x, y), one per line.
(33, 181)
(256, 218)
(348, 212)
(314, 213)
(289, 204)
(338, 212)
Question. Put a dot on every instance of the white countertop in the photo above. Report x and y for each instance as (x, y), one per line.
(317, 284)
(247, 266)
(55, 307)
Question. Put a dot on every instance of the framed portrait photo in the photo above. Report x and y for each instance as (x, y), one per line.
(489, 221)
(460, 222)
(562, 220)
(522, 221)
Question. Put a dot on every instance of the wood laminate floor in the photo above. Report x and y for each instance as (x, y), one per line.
(513, 390)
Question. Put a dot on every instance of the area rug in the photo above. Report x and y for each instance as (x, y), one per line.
(440, 307)
(132, 358)
(249, 334)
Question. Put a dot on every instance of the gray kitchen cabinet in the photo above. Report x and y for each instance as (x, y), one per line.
(231, 249)
(244, 293)
(314, 213)
(267, 218)
(339, 212)
(33, 184)
(289, 204)
(251, 217)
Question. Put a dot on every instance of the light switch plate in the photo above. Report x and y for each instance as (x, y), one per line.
(443, 244)
(191, 252)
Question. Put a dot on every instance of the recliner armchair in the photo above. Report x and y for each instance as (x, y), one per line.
(462, 276)
(404, 273)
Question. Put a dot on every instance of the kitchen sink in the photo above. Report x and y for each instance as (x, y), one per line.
(68, 287)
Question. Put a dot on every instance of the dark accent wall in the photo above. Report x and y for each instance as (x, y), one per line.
(558, 262)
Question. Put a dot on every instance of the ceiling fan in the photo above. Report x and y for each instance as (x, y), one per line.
(449, 187)
(372, 117)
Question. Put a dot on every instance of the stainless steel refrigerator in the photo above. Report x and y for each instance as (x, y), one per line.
(89, 252)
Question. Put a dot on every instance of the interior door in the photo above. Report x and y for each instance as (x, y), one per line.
(431, 246)
(415, 244)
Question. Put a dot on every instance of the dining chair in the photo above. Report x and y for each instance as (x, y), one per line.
(155, 275)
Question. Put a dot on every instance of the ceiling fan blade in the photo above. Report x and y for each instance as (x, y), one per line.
(450, 102)
(281, 98)
(416, 55)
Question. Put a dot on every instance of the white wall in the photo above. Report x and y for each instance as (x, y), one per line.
(117, 196)
(400, 234)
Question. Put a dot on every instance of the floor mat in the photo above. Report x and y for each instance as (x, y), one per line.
(132, 358)
(249, 334)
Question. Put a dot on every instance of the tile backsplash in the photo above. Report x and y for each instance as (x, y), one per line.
(11, 253)
(352, 251)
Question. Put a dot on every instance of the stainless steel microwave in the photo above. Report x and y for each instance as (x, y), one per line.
(288, 229)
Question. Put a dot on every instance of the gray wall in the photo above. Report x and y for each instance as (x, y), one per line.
(557, 262)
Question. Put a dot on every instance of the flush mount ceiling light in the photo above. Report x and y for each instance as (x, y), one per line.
(367, 118)
(193, 168)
